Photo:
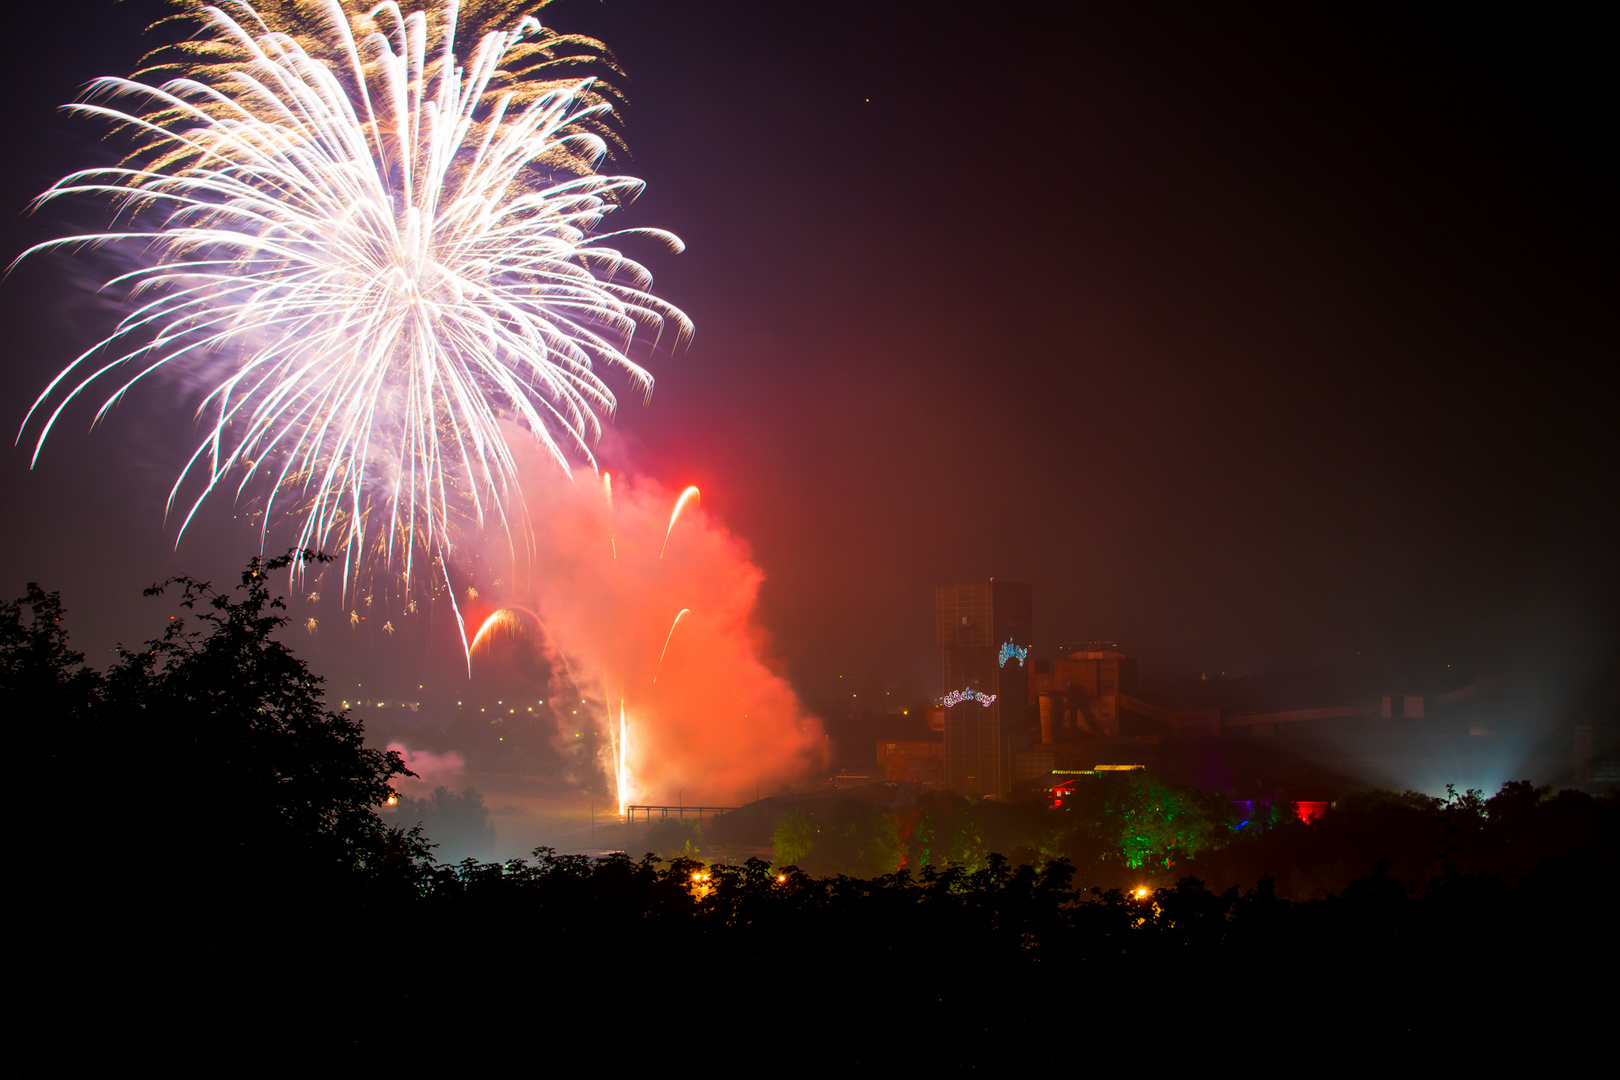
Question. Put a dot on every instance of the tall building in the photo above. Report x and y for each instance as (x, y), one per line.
(984, 634)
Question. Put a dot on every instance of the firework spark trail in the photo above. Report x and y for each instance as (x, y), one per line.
(613, 542)
(507, 620)
(384, 250)
(689, 495)
(684, 612)
(504, 620)
(621, 763)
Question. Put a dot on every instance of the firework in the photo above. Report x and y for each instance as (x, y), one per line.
(620, 740)
(506, 622)
(670, 637)
(382, 260)
(503, 621)
(688, 496)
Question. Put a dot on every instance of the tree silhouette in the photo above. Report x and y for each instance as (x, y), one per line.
(197, 814)
(213, 739)
(45, 684)
(249, 764)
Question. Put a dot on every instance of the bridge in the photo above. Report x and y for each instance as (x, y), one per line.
(678, 811)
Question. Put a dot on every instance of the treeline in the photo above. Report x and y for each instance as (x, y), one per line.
(1125, 830)
(677, 962)
(204, 879)
(1122, 824)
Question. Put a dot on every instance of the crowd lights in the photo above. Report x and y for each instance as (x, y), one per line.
(1009, 651)
(956, 697)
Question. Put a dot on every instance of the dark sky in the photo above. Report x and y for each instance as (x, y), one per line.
(1252, 335)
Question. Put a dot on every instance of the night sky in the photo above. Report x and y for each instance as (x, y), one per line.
(1254, 336)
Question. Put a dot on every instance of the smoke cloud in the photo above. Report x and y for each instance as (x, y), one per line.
(707, 718)
(432, 770)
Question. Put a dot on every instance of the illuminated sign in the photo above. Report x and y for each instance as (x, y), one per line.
(1009, 650)
(956, 697)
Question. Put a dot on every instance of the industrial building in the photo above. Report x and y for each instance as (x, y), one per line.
(1012, 723)
(1008, 719)
(985, 633)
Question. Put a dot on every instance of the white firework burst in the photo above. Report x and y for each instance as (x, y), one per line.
(380, 257)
